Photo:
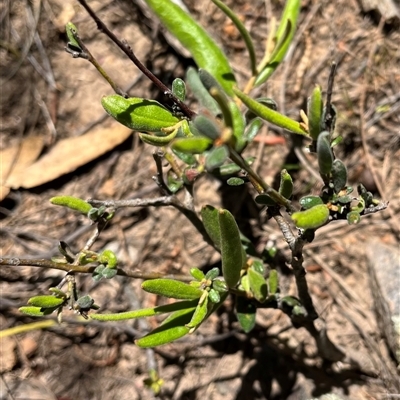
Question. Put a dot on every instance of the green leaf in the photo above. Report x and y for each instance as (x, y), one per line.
(243, 32)
(214, 296)
(252, 129)
(194, 38)
(46, 301)
(324, 153)
(238, 127)
(339, 175)
(245, 313)
(199, 314)
(312, 218)
(71, 31)
(109, 258)
(235, 181)
(216, 157)
(258, 286)
(74, 203)
(286, 184)
(353, 217)
(147, 312)
(188, 159)
(197, 274)
(201, 93)
(36, 311)
(172, 328)
(273, 281)
(212, 273)
(171, 288)
(314, 112)
(158, 140)
(179, 89)
(192, 145)
(209, 215)
(138, 114)
(232, 253)
(264, 200)
(307, 202)
(270, 115)
(283, 38)
(207, 127)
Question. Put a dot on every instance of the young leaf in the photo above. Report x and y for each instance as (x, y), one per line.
(216, 157)
(192, 145)
(155, 140)
(286, 184)
(270, 115)
(171, 288)
(232, 254)
(74, 203)
(138, 114)
(46, 301)
(314, 112)
(353, 217)
(245, 313)
(206, 127)
(209, 215)
(324, 153)
(36, 311)
(273, 282)
(339, 175)
(258, 286)
(179, 89)
(312, 218)
(307, 202)
(71, 30)
(235, 181)
(200, 92)
(203, 48)
(197, 274)
(199, 314)
(252, 129)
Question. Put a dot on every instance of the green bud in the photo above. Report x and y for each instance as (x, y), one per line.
(197, 274)
(286, 184)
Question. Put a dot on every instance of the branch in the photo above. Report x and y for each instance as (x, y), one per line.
(86, 269)
(128, 51)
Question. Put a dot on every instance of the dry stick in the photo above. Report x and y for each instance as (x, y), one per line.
(128, 51)
(85, 269)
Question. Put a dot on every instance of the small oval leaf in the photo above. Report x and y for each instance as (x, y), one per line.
(192, 145)
(232, 256)
(209, 215)
(171, 288)
(307, 202)
(74, 203)
(324, 153)
(245, 313)
(339, 175)
(312, 218)
(46, 301)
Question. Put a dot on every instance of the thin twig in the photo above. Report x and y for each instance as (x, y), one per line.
(128, 51)
(86, 269)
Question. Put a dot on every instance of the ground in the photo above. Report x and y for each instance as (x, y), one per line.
(56, 139)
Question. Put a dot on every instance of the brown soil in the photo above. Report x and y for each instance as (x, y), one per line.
(60, 99)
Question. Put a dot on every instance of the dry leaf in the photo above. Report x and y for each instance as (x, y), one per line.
(68, 155)
(16, 159)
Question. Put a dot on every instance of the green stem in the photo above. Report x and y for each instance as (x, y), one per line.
(259, 183)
